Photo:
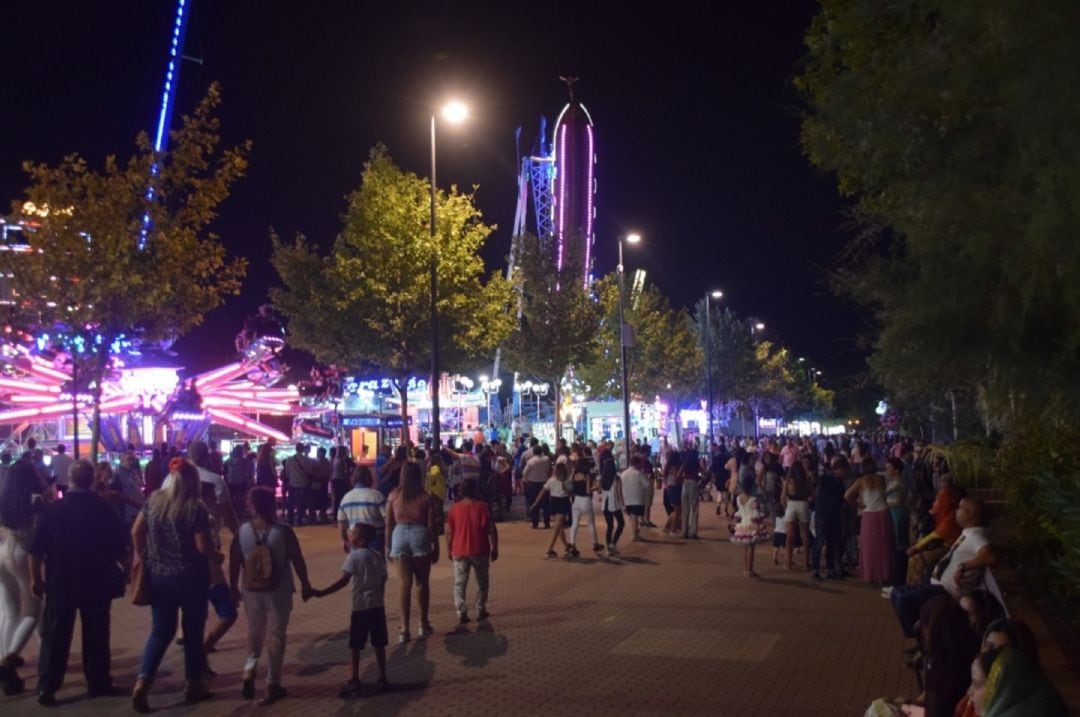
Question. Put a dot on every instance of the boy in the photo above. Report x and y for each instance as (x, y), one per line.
(367, 571)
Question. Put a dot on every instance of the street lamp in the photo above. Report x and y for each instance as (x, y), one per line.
(489, 387)
(757, 326)
(624, 330)
(708, 361)
(453, 112)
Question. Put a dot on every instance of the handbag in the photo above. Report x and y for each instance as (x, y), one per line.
(140, 584)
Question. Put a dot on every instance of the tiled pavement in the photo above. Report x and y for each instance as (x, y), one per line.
(668, 627)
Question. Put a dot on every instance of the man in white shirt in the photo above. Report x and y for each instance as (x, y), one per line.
(957, 574)
(61, 464)
(635, 488)
(363, 504)
(535, 474)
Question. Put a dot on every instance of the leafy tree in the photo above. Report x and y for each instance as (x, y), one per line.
(367, 304)
(558, 323)
(108, 260)
(733, 358)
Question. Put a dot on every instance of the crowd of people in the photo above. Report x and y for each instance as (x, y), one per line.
(887, 512)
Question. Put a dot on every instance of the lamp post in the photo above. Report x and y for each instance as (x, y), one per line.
(454, 113)
(489, 386)
(623, 331)
(708, 363)
(756, 326)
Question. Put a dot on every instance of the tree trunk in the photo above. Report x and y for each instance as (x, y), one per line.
(556, 416)
(102, 365)
(403, 392)
(951, 394)
(75, 406)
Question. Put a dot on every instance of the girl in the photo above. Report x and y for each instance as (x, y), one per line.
(557, 489)
(583, 486)
(673, 493)
(751, 519)
(414, 546)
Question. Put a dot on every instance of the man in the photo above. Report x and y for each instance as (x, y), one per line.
(221, 508)
(635, 486)
(828, 509)
(472, 543)
(79, 561)
(61, 467)
(788, 454)
(298, 477)
(363, 504)
(957, 574)
(691, 475)
(535, 473)
(320, 481)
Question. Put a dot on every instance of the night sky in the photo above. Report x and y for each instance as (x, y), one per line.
(696, 120)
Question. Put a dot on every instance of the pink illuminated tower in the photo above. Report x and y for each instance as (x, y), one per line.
(574, 182)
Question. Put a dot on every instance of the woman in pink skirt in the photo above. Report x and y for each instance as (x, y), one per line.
(875, 526)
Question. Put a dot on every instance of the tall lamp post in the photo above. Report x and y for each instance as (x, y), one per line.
(454, 113)
(708, 363)
(756, 327)
(623, 331)
(489, 386)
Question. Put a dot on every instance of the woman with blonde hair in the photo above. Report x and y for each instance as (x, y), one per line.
(172, 540)
(414, 545)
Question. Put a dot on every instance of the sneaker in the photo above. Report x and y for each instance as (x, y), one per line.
(612, 550)
(463, 618)
(426, 629)
(597, 548)
(886, 592)
(817, 578)
(273, 694)
(247, 689)
(351, 690)
(483, 615)
(551, 554)
(196, 691)
(46, 699)
(403, 636)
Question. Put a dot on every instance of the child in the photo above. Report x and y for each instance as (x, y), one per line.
(367, 571)
(779, 539)
(748, 531)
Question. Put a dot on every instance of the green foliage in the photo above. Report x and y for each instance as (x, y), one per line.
(367, 304)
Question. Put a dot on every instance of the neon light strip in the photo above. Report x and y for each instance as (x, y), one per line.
(588, 204)
(43, 371)
(561, 176)
(231, 419)
(220, 375)
(225, 402)
(18, 385)
(40, 400)
(11, 416)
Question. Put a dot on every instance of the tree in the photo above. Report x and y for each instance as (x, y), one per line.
(557, 328)
(109, 260)
(733, 357)
(366, 304)
(665, 358)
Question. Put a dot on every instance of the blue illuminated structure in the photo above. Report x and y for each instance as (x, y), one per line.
(168, 97)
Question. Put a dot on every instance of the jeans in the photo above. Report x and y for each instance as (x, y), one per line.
(828, 537)
(482, 565)
(532, 490)
(907, 601)
(581, 507)
(690, 508)
(616, 517)
(169, 593)
(298, 502)
(58, 627)
(268, 619)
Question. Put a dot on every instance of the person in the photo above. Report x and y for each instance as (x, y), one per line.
(413, 546)
(795, 496)
(673, 493)
(691, 492)
(650, 491)
(269, 607)
(436, 488)
(297, 476)
(156, 470)
(363, 504)
(238, 476)
(875, 525)
(472, 543)
(126, 491)
(897, 500)
(61, 467)
(1003, 632)
(1005, 683)
(364, 567)
(265, 474)
(828, 514)
(389, 474)
(611, 502)
(556, 493)
(321, 473)
(342, 468)
(925, 553)
(535, 474)
(748, 530)
(956, 574)
(582, 487)
(172, 540)
(218, 502)
(21, 502)
(79, 562)
(635, 486)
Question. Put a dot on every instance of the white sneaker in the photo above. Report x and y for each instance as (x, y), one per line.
(612, 550)
(886, 592)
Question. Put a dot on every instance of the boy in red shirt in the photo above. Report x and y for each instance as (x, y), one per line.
(471, 542)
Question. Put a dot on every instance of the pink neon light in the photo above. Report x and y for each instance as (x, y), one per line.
(45, 372)
(251, 405)
(35, 412)
(561, 173)
(44, 400)
(243, 424)
(588, 204)
(17, 385)
(222, 374)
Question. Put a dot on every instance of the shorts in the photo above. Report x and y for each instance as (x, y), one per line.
(638, 510)
(410, 539)
(673, 494)
(797, 511)
(559, 505)
(219, 598)
(368, 623)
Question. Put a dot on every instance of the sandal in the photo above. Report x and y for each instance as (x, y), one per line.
(403, 636)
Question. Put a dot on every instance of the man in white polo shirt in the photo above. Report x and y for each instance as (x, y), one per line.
(363, 504)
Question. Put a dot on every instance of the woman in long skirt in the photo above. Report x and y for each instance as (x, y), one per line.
(875, 526)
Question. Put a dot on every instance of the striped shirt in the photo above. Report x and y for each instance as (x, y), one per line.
(363, 505)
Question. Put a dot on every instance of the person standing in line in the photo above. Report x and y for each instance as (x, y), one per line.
(828, 513)
(896, 496)
(172, 539)
(582, 487)
(321, 473)
(535, 474)
(472, 543)
(414, 547)
(875, 526)
(297, 475)
(61, 467)
(635, 486)
(265, 471)
(79, 562)
(363, 504)
(795, 499)
(342, 468)
(556, 493)
(239, 477)
(21, 501)
(611, 501)
(366, 569)
(267, 598)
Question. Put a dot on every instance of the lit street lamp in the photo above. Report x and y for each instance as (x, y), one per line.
(624, 332)
(708, 362)
(454, 113)
(756, 327)
(489, 387)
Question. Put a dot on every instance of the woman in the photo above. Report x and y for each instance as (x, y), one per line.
(611, 501)
(647, 469)
(582, 487)
(999, 634)
(795, 499)
(172, 540)
(267, 609)
(414, 545)
(897, 500)
(933, 546)
(21, 501)
(875, 525)
(673, 493)
(436, 490)
(265, 474)
(155, 473)
(557, 491)
(340, 472)
(1005, 683)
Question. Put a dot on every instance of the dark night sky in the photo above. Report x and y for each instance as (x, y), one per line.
(696, 120)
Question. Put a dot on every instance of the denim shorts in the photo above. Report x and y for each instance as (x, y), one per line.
(219, 598)
(410, 539)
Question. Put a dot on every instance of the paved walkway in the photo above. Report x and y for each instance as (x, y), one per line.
(668, 627)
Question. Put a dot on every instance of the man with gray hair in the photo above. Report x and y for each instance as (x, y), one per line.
(79, 561)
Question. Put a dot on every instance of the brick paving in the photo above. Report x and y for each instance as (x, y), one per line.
(667, 627)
